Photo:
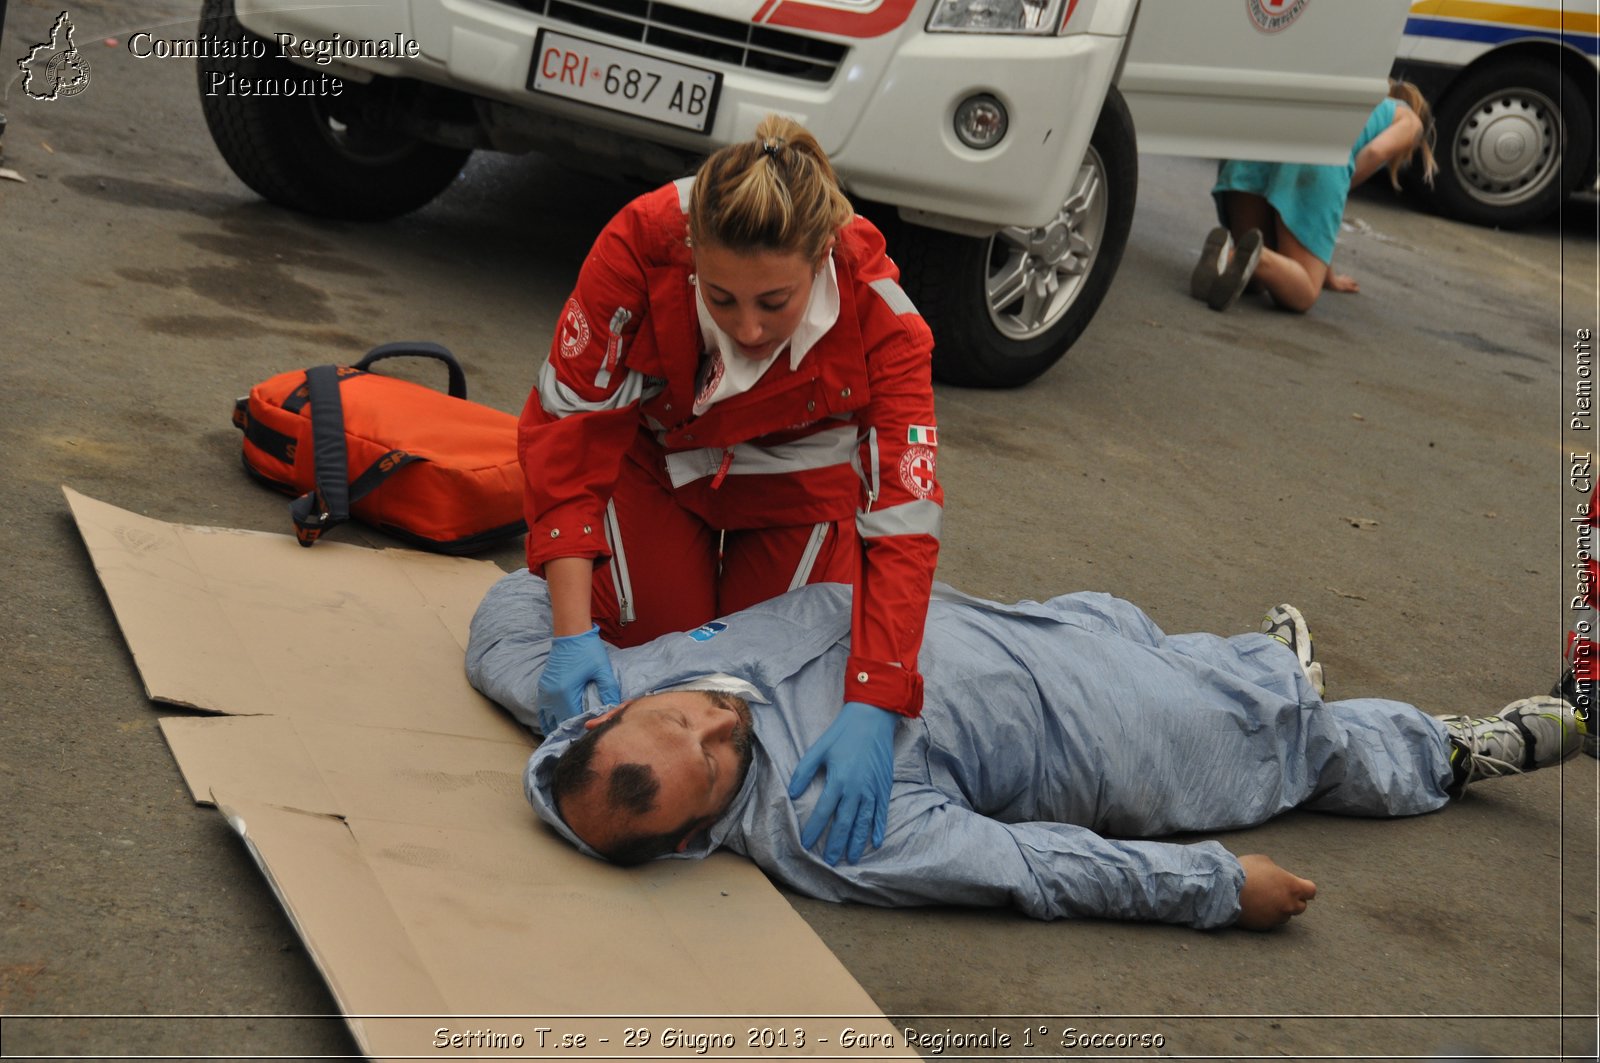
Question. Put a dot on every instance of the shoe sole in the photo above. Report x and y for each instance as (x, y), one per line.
(1209, 268)
(1283, 614)
(1230, 284)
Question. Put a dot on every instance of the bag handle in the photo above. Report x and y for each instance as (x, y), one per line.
(420, 349)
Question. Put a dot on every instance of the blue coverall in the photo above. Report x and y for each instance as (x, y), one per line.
(1048, 730)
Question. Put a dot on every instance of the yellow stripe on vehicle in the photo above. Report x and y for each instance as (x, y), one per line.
(1545, 18)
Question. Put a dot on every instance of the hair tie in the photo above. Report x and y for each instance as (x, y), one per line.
(771, 148)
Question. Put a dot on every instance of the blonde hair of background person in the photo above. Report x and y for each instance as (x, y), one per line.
(738, 401)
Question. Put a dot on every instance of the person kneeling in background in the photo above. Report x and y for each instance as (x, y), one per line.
(1280, 221)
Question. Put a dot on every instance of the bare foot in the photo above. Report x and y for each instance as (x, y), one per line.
(1340, 282)
(1271, 896)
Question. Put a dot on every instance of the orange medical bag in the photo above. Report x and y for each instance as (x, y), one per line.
(431, 469)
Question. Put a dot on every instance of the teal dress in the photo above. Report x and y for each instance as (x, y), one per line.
(1309, 199)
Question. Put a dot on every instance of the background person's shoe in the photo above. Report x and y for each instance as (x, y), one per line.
(1230, 283)
(1525, 735)
(1284, 623)
(1213, 260)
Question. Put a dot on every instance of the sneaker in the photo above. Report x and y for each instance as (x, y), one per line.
(1213, 259)
(1583, 696)
(1284, 623)
(1230, 283)
(1527, 734)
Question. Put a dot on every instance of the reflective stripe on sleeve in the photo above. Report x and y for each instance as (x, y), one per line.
(831, 446)
(922, 517)
(558, 400)
(894, 295)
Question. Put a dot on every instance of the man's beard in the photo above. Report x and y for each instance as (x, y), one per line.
(744, 740)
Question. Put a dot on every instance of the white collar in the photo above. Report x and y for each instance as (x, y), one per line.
(721, 682)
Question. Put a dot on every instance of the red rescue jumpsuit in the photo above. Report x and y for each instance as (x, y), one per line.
(822, 472)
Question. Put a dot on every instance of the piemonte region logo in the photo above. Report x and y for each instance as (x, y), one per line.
(55, 69)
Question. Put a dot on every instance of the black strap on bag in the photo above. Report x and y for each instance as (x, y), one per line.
(328, 504)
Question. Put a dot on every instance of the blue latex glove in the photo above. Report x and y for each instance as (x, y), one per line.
(858, 751)
(575, 661)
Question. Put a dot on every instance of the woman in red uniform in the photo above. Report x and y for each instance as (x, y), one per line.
(738, 401)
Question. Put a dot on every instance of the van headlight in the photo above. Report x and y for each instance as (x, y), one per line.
(996, 16)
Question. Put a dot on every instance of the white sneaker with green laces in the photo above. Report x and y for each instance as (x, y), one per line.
(1284, 623)
(1525, 735)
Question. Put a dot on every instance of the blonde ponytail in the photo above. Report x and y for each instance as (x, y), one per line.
(777, 192)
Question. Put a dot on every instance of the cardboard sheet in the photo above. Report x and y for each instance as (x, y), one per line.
(381, 797)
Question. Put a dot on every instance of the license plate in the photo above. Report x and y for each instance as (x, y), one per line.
(620, 80)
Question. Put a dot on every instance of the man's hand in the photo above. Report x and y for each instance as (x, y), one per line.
(858, 750)
(575, 661)
(1271, 896)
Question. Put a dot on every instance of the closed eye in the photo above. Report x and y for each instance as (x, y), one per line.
(711, 761)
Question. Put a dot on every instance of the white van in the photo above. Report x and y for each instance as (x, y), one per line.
(1002, 131)
(1513, 87)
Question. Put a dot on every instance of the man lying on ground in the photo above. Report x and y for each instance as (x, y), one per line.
(1048, 731)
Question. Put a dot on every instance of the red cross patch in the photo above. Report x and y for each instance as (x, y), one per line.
(1271, 16)
(916, 470)
(574, 330)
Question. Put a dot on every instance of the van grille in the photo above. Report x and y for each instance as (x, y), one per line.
(678, 29)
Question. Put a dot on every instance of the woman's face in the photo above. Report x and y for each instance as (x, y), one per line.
(756, 297)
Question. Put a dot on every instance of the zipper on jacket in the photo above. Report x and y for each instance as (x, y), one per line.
(808, 558)
(619, 566)
(872, 456)
(868, 484)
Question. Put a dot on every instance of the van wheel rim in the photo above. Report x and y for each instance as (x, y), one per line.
(1035, 274)
(1507, 148)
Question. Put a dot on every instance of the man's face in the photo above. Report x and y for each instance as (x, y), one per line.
(700, 753)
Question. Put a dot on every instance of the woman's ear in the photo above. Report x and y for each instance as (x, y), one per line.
(605, 717)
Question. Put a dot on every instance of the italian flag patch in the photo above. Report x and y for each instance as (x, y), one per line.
(925, 434)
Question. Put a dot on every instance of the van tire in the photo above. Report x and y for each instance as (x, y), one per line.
(1533, 99)
(330, 156)
(980, 344)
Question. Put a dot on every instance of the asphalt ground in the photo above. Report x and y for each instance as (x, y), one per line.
(1395, 463)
